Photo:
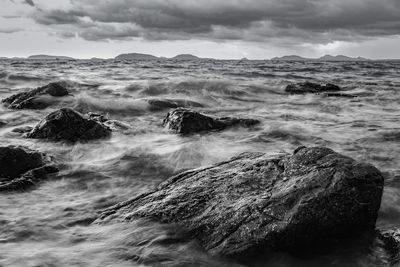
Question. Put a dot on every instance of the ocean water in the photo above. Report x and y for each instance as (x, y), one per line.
(50, 225)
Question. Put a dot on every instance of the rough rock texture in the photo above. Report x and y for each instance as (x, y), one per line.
(308, 87)
(390, 242)
(185, 121)
(29, 100)
(162, 104)
(21, 168)
(68, 125)
(255, 202)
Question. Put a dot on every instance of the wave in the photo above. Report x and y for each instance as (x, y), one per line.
(25, 77)
(86, 103)
(293, 137)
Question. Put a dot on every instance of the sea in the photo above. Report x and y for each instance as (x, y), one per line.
(51, 225)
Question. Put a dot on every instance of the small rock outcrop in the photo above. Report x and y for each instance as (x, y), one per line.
(255, 202)
(186, 121)
(21, 168)
(114, 125)
(30, 99)
(309, 87)
(389, 241)
(68, 125)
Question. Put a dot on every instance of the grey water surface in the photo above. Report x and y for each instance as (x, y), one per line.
(51, 225)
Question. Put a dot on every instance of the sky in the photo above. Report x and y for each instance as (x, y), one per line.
(226, 29)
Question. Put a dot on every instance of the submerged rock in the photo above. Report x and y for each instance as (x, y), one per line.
(254, 202)
(68, 125)
(309, 87)
(21, 168)
(162, 104)
(186, 121)
(115, 125)
(22, 130)
(31, 99)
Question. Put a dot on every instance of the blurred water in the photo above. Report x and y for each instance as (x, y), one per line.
(51, 225)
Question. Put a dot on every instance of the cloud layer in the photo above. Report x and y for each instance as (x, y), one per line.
(312, 21)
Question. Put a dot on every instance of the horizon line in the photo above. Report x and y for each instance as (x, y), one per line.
(164, 57)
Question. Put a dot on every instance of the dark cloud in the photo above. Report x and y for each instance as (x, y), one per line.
(29, 2)
(316, 21)
(54, 17)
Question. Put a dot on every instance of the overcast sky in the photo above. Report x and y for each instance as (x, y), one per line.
(256, 29)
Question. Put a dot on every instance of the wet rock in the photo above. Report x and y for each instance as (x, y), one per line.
(389, 242)
(97, 117)
(186, 121)
(32, 99)
(22, 130)
(256, 202)
(68, 125)
(115, 125)
(21, 168)
(309, 87)
(162, 104)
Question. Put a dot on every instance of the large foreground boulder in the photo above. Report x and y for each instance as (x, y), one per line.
(255, 202)
(186, 121)
(68, 125)
(309, 87)
(21, 168)
(31, 99)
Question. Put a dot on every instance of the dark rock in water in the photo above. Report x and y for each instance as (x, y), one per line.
(185, 121)
(68, 125)
(22, 130)
(29, 100)
(112, 124)
(161, 104)
(389, 241)
(3, 123)
(18, 160)
(308, 87)
(255, 202)
(21, 168)
(97, 117)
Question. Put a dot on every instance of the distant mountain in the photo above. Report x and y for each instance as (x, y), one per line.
(185, 57)
(136, 56)
(324, 58)
(47, 57)
(341, 58)
(291, 58)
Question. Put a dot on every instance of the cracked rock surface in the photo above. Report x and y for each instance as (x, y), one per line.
(256, 202)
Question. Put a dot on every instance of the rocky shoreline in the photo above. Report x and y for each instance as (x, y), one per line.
(245, 206)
